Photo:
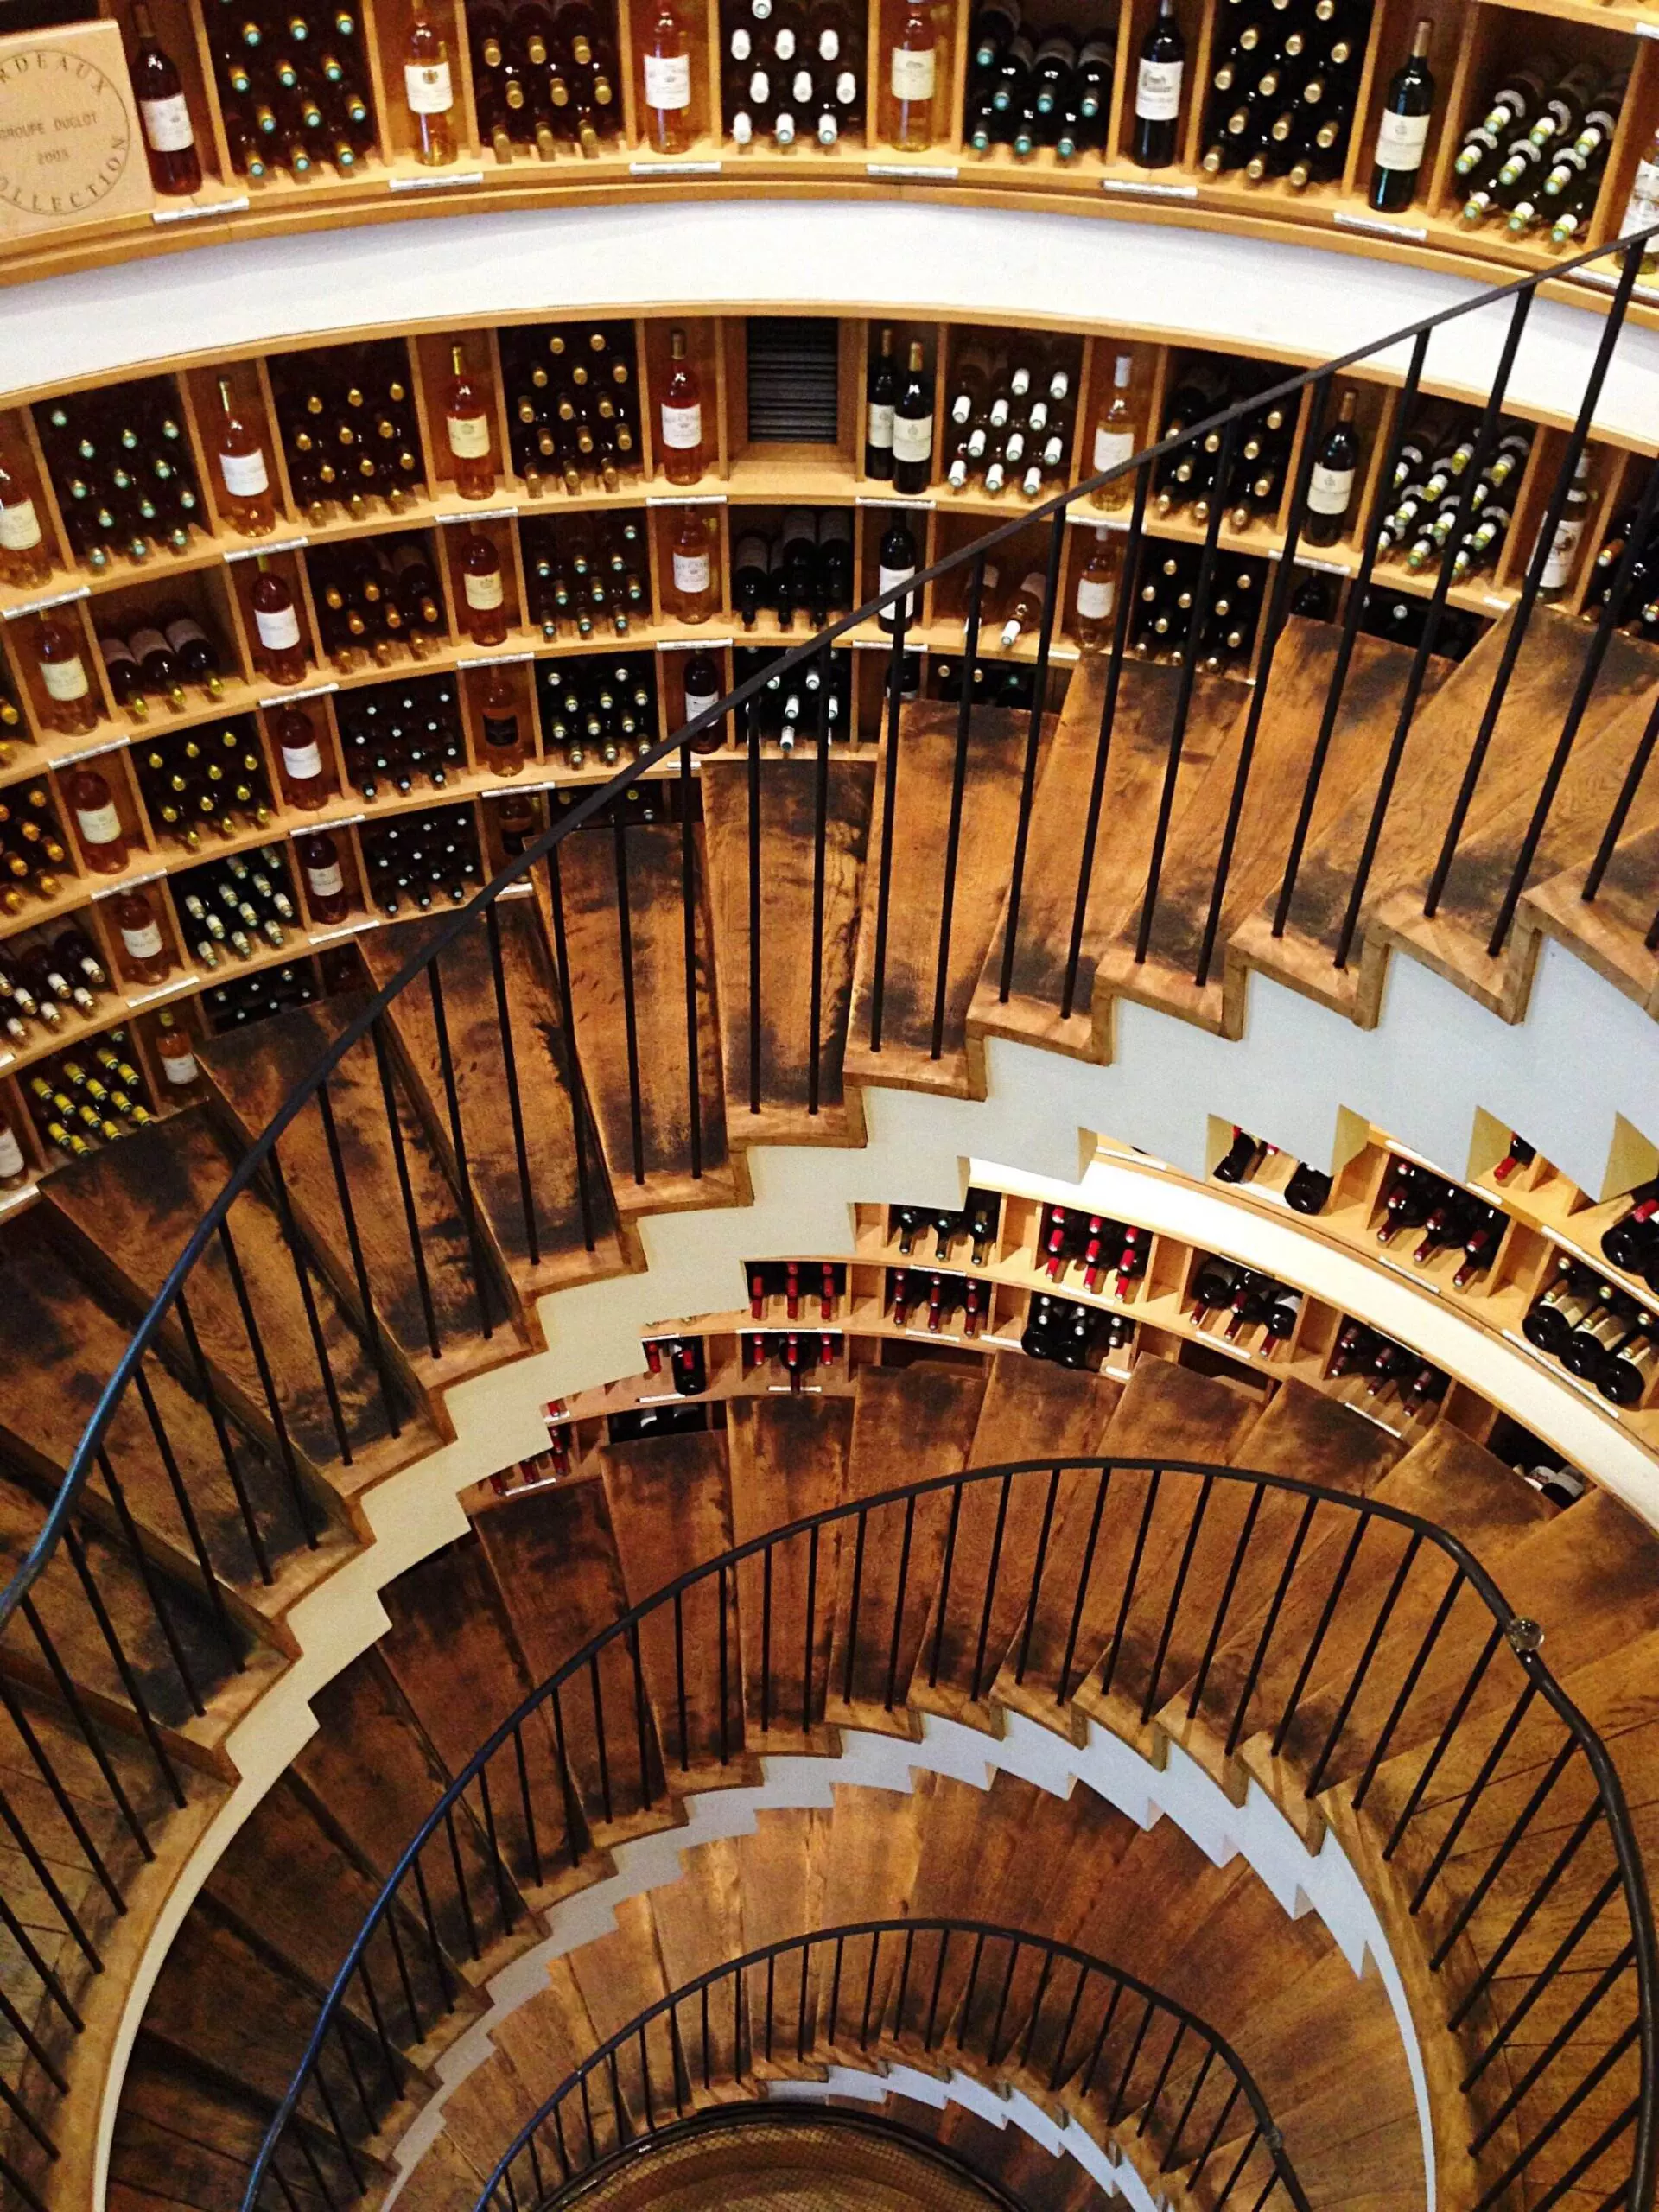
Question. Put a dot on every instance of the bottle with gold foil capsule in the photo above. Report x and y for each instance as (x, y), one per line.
(70, 702)
(24, 559)
(244, 473)
(484, 611)
(138, 931)
(666, 62)
(429, 90)
(278, 652)
(466, 424)
(176, 1056)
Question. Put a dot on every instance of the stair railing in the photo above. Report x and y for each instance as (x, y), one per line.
(1063, 1589)
(89, 1506)
(1014, 2009)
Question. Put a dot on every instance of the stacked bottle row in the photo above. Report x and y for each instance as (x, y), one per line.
(587, 573)
(1536, 158)
(1282, 85)
(545, 80)
(1161, 625)
(791, 74)
(1188, 482)
(294, 87)
(572, 397)
(1437, 515)
(1038, 85)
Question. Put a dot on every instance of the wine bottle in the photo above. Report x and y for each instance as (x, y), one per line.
(883, 397)
(428, 89)
(1331, 482)
(1158, 91)
(163, 112)
(1115, 439)
(912, 427)
(466, 426)
(305, 786)
(1556, 580)
(144, 948)
(692, 567)
(913, 64)
(680, 417)
(279, 654)
(244, 479)
(666, 64)
(70, 704)
(1097, 595)
(23, 556)
(897, 561)
(1402, 128)
(1024, 609)
(484, 615)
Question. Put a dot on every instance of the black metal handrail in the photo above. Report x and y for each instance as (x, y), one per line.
(839, 1638)
(811, 1997)
(167, 1341)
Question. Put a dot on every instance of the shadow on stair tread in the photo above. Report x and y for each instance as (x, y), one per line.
(542, 1062)
(129, 1209)
(182, 2140)
(786, 1459)
(998, 740)
(654, 1167)
(407, 1264)
(1432, 767)
(1130, 804)
(1610, 932)
(788, 822)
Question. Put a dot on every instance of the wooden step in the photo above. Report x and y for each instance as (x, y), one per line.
(910, 1424)
(1287, 736)
(181, 2138)
(1609, 932)
(417, 1262)
(901, 1052)
(787, 841)
(1031, 1409)
(564, 1233)
(1431, 770)
(62, 1338)
(131, 1209)
(787, 1460)
(619, 1976)
(671, 1509)
(453, 1652)
(554, 1555)
(1130, 798)
(656, 1166)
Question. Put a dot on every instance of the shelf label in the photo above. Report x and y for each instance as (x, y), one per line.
(167, 991)
(914, 171)
(1375, 227)
(479, 514)
(56, 598)
(1133, 188)
(326, 822)
(192, 214)
(292, 698)
(492, 660)
(693, 644)
(684, 499)
(130, 883)
(1324, 567)
(675, 168)
(90, 752)
(1087, 518)
(256, 552)
(323, 938)
(891, 499)
(446, 183)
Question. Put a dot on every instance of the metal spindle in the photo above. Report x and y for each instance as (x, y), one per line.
(820, 843)
(972, 609)
(688, 925)
(509, 1070)
(570, 1070)
(308, 1300)
(405, 1187)
(751, 743)
(354, 1247)
(458, 1141)
(630, 1011)
(900, 613)
(1033, 747)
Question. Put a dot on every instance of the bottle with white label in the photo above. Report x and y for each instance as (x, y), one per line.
(1158, 90)
(14, 1167)
(144, 948)
(692, 558)
(70, 702)
(878, 424)
(1024, 609)
(896, 561)
(170, 138)
(666, 64)
(23, 556)
(1556, 579)
(680, 416)
(913, 76)
(325, 880)
(175, 1053)
(1641, 209)
(245, 498)
(429, 90)
(466, 427)
(1115, 439)
(912, 426)
(305, 785)
(1098, 594)
(279, 653)
(1402, 128)
(1331, 481)
(703, 690)
(483, 590)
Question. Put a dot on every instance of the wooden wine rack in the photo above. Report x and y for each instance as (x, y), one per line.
(213, 574)
(1474, 40)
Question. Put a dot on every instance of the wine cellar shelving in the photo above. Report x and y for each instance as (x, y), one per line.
(543, 106)
(815, 1318)
(371, 691)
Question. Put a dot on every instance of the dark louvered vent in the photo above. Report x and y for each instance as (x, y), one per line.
(792, 362)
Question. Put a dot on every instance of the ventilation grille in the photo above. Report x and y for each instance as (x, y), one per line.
(793, 380)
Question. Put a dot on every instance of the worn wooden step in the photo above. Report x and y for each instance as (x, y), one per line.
(671, 1509)
(909, 1424)
(788, 879)
(787, 1460)
(62, 1338)
(898, 1049)
(1432, 766)
(554, 1555)
(1131, 793)
(1286, 739)
(454, 1654)
(538, 2048)
(1454, 942)
(1610, 930)
(659, 1153)
(554, 1221)
(182, 2138)
(1030, 1410)
(417, 1264)
(131, 1209)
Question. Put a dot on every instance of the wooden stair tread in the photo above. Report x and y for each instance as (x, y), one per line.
(1610, 932)
(555, 1556)
(671, 1508)
(1130, 798)
(662, 1175)
(60, 1340)
(255, 1070)
(181, 2138)
(541, 1055)
(132, 1207)
(1286, 734)
(788, 820)
(997, 740)
(786, 1460)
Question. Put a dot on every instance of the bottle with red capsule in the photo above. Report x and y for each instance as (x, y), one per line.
(1479, 1250)
(756, 1295)
(755, 1352)
(689, 1367)
(558, 1447)
(935, 1303)
(826, 1293)
(1132, 1262)
(971, 1308)
(1409, 1202)
(1351, 1347)
(1519, 1154)
(1391, 1362)
(653, 1357)
(899, 1290)
(1426, 1385)
(792, 1289)
(793, 1359)
(1435, 1233)
(826, 1351)
(1053, 1242)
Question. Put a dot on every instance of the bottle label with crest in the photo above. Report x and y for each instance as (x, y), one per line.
(246, 474)
(64, 679)
(884, 580)
(278, 627)
(484, 592)
(144, 942)
(1112, 447)
(690, 572)
(98, 825)
(1558, 562)
(682, 426)
(880, 434)
(167, 123)
(1328, 490)
(1095, 598)
(327, 881)
(469, 436)
(1158, 90)
(427, 87)
(303, 764)
(1401, 140)
(913, 437)
(20, 527)
(913, 73)
(668, 81)
(1643, 205)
